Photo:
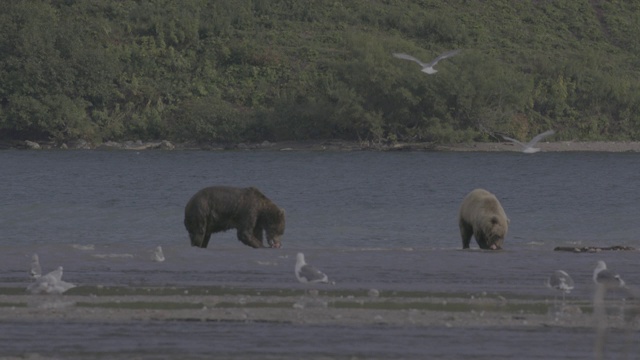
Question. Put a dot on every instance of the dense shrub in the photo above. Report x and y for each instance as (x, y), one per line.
(253, 70)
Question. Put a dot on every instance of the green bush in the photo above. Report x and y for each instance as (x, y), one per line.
(253, 70)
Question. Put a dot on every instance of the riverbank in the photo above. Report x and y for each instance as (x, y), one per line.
(357, 307)
(328, 145)
(559, 146)
(305, 324)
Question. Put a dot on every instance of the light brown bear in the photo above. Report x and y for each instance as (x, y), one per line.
(482, 216)
(220, 208)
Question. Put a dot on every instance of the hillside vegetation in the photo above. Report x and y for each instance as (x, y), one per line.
(254, 70)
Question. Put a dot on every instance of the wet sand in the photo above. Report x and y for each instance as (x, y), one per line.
(124, 305)
(171, 323)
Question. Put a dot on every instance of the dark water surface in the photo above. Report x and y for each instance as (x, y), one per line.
(197, 340)
(368, 219)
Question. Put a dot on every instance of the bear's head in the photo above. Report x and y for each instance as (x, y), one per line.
(196, 232)
(197, 239)
(496, 233)
(274, 228)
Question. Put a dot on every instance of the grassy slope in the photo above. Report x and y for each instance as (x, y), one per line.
(560, 51)
(281, 69)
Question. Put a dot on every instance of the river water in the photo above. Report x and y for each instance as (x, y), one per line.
(384, 220)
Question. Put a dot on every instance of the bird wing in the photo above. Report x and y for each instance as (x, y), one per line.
(566, 282)
(562, 274)
(448, 54)
(55, 275)
(513, 140)
(61, 287)
(560, 280)
(609, 278)
(38, 287)
(312, 274)
(540, 137)
(410, 58)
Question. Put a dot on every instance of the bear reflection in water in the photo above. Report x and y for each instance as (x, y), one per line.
(220, 208)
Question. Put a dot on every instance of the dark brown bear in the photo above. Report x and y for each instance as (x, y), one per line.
(220, 208)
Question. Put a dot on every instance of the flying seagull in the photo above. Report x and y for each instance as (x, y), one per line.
(306, 273)
(561, 281)
(427, 67)
(602, 276)
(51, 283)
(528, 147)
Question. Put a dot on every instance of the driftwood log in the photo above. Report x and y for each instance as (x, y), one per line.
(591, 249)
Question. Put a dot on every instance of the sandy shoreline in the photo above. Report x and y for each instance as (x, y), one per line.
(560, 146)
(331, 145)
(303, 307)
(286, 324)
(339, 145)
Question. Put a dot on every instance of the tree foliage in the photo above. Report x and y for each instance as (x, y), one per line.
(253, 70)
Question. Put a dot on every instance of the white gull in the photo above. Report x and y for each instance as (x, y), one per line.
(427, 67)
(50, 284)
(560, 280)
(528, 147)
(603, 276)
(158, 255)
(306, 273)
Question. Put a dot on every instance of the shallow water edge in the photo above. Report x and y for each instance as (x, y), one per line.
(309, 305)
(167, 323)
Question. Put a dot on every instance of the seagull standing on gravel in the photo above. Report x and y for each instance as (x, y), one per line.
(561, 281)
(528, 147)
(158, 255)
(427, 67)
(306, 273)
(603, 276)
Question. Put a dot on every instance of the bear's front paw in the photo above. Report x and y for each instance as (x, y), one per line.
(274, 244)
